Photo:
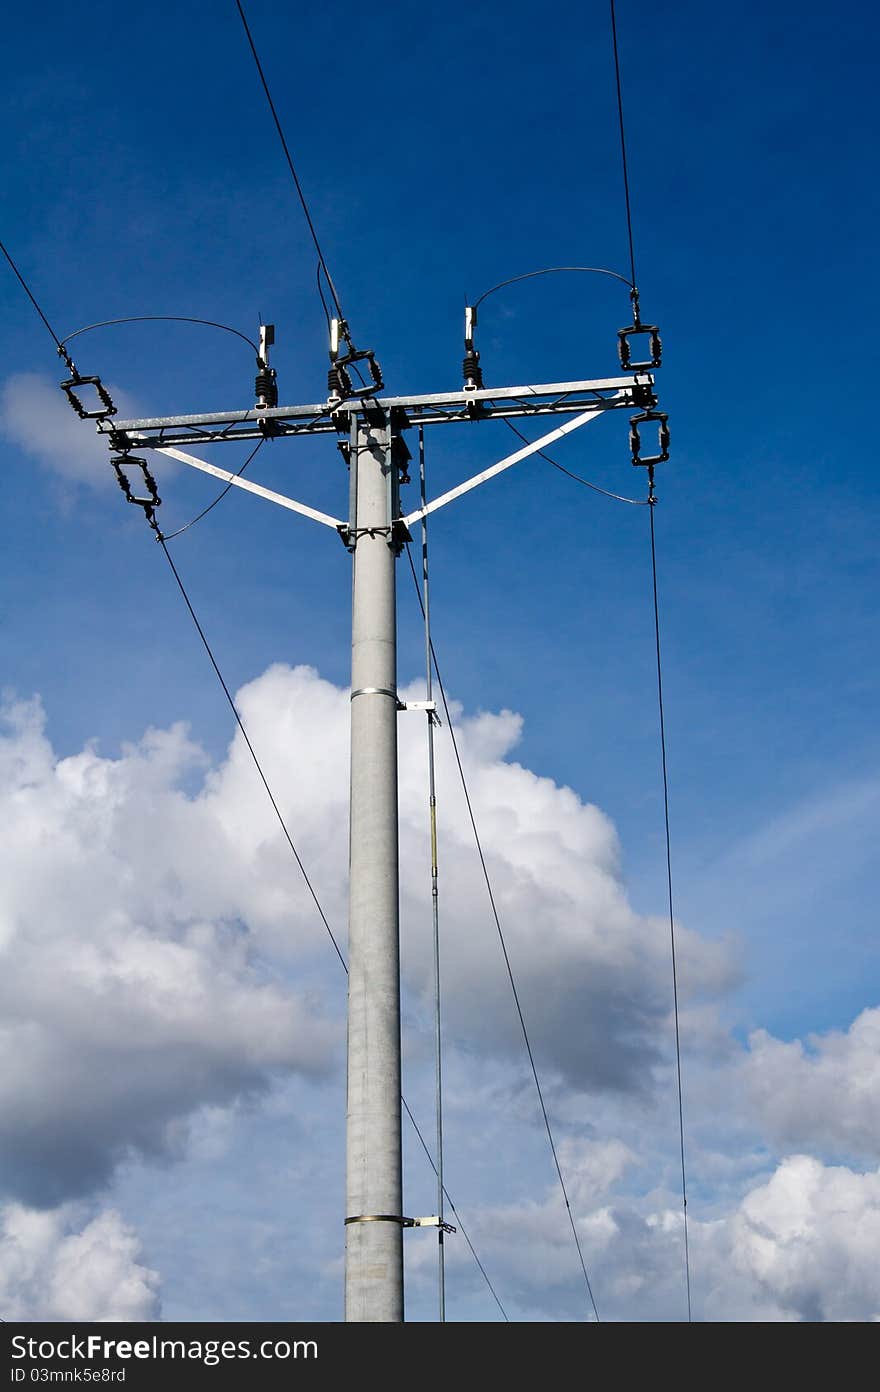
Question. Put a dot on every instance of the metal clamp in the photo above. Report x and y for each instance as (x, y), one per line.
(374, 691)
(404, 1222)
(106, 408)
(635, 439)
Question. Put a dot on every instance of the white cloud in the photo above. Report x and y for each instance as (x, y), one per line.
(35, 415)
(825, 1096)
(50, 1269)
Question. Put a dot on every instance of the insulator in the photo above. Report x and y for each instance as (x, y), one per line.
(334, 383)
(473, 373)
(266, 387)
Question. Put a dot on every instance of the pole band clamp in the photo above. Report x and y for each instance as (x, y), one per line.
(374, 691)
(380, 1218)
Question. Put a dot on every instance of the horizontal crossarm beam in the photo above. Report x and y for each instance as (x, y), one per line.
(548, 398)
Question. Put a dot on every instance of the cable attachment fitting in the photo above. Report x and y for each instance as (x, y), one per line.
(104, 406)
(642, 332)
(265, 386)
(149, 504)
(339, 383)
(471, 370)
(635, 439)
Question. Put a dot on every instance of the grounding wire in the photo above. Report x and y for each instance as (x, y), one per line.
(687, 1263)
(313, 894)
(506, 955)
(302, 198)
(278, 814)
(636, 502)
(435, 904)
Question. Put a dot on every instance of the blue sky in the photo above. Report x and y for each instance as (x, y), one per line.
(440, 154)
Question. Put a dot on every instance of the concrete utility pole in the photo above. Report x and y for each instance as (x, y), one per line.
(369, 429)
(374, 1231)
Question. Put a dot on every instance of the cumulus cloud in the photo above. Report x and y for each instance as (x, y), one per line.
(161, 952)
(824, 1095)
(50, 1269)
(125, 1006)
(800, 1246)
(35, 416)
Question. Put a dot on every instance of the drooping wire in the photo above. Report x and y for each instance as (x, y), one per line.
(315, 898)
(550, 270)
(160, 318)
(169, 536)
(687, 1262)
(629, 224)
(547, 1126)
(302, 198)
(636, 502)
(435, 903)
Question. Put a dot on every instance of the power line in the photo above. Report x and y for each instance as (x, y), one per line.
(629, 225)
(618, 497)
(302, 198)
(506, 955)
(258, 765)
(26, 288)
(687, 1263)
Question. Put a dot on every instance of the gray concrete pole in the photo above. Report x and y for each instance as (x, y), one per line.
(373, 1249)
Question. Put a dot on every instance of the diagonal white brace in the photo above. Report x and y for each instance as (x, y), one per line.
(506, 463)
(250, 487)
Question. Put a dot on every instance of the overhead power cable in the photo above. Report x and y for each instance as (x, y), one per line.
(652, 501)
(687, 1262)
(281, 136)
(629, 222)
(27, 290)
(507, 962)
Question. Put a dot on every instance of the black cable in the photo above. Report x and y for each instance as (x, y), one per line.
(159, 318)
(629, 225)
(310, 887)
(636, 502)
(26, 288)
(169, 536)
(507, 962)
(549, 270)
(278, 127)
(238, 721)
(687, 1263)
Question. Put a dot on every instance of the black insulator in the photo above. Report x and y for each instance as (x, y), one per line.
(265, 387)
(473, 373)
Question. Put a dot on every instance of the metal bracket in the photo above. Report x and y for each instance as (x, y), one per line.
(434, 1222)
(404, 1222)
(429, 707)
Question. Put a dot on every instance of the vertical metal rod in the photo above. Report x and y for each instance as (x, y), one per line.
(435, 912)
(373, 1249)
